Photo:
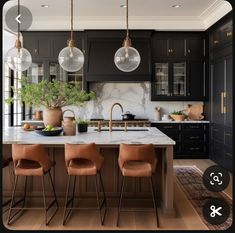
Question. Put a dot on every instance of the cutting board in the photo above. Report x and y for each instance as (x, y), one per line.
(195, 112)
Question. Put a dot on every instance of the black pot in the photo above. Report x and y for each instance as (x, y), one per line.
(128, 116)
(82, 128)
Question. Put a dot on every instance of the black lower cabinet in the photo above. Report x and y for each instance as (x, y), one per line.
(191, 138)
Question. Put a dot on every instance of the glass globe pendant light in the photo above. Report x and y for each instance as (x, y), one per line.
(71, 58)
(127, 58)
(18, 58)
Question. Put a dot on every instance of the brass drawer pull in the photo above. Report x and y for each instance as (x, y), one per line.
(194, 137)
(229, 154)
(194, 127)
(194, 148)
(229, 34)
(216, 42)
(168, 127)
(228, 134)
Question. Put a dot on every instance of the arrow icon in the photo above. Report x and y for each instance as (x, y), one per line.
(17, 18)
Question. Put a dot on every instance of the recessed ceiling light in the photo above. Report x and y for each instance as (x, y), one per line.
(123, 6)
(45, 6)
(176, 6)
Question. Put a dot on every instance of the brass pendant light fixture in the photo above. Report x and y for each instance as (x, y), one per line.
(70, 58)
(127, 58)
(18, 58)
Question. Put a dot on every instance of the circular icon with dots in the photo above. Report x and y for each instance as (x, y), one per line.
(216, 178)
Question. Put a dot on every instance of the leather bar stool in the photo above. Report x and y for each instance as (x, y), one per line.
(83, 160)
(31, 160)
(5, 164)
(137, 161)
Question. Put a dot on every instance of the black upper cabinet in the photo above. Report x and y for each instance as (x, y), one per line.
(178, 45)
(101, 47)
(47, 45)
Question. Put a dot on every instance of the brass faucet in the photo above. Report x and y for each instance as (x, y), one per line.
(111, 115)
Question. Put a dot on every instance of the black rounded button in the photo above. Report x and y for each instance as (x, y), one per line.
(216, 211)
(216, 178)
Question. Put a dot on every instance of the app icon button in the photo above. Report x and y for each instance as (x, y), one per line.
(216, 211)
(13, 18)
(216, 178)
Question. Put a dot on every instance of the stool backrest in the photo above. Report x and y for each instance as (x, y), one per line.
(83, 151)
(145, 153)
(36, 153)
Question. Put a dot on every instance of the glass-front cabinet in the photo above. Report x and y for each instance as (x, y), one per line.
(50, 70)
(170, 81)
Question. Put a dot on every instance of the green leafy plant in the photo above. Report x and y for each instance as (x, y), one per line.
(81, 121)
(52, 94)
(178, 113)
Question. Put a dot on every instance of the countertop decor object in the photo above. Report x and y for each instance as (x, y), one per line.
(55, 132)
(52, 95)
(157, 113)
(82, 125)
(178, 116)
(127, 58)
(195, 112)
(71, 58)
(69, 124)
(18, 58)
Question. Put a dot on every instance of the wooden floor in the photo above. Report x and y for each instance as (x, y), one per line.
(187, 217)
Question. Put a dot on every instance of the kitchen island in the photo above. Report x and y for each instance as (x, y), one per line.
(109, 143)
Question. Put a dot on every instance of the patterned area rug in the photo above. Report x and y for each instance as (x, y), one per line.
(190, 180)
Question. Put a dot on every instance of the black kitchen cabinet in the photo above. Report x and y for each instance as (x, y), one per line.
(178, 45)
(191, 138)
(179, 80)
(101, 47)
(221, 76)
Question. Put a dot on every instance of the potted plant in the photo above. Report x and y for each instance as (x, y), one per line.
(52, 95)
(82, 125)
(178, 115)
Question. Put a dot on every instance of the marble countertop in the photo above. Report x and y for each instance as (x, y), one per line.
(152, 135)
(202, 122)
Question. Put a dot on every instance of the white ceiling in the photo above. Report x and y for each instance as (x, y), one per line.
(107, 14)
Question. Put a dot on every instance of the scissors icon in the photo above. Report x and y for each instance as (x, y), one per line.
(215, 211)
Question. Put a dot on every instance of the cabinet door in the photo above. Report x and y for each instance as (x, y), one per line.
(195, 48)
(59, 43)
(218, 89)
(176, 48)
(197, 86)
(30, 43)
(160, 48)
(36, 72)
(161, 79)
(228, 92)
(44, 45)
(179, 79)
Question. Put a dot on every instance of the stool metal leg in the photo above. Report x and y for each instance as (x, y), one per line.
(120, 200)
(12, 200)
(154, 199)
(104, 202)
(66, 201)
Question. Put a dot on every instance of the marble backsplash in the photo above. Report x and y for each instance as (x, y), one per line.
(134, 97)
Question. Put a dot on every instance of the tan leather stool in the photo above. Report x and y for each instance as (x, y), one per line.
(83, 160)
(137, 161)
(31, 160)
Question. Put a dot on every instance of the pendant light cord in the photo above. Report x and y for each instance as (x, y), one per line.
(18, 25)
(127, 25)
(71, 19)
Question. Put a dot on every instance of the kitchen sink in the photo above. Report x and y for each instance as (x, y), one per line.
(123, 129)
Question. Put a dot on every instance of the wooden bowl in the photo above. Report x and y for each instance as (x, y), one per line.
(178, 117)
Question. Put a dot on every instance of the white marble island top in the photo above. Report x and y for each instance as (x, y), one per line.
(151, 135)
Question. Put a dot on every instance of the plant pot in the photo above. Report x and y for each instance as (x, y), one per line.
(52, 116)
(178, 117)
(82, 128)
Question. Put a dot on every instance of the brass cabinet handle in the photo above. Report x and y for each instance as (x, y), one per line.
(224, 95)
(194, 137)
(228, 134)
(172, 50)
(216, 42)
(189, 51)
(222, 102)
(167, 127)
(229, 34)
(194, 148)
(35, 51)
(169, 50)
(229, 154)
(194, 127)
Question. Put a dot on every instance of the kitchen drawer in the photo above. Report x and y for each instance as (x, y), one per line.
(189, 126)
(194, 147)
(228, 137)
(194, 136)
(218, 133)
(168, 127)
(173, 136)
